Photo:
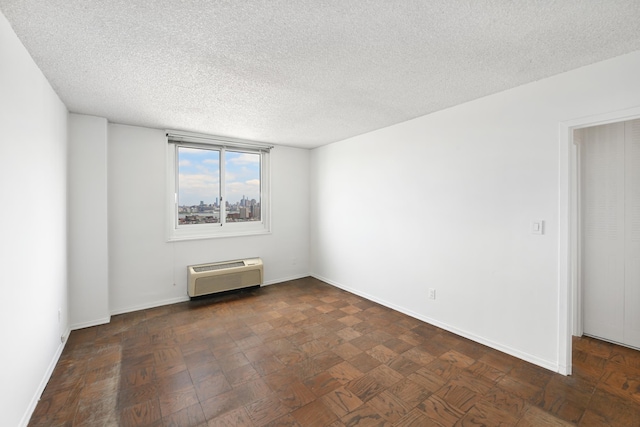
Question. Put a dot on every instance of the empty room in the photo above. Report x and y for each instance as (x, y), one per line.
(320, 213)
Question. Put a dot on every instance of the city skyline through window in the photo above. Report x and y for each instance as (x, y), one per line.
(200, 181)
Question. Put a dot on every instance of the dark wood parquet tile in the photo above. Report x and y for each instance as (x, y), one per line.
(236, 418)
(535, 417)
(265, 410)
(505, 402)
(588, 365)
(485, 414)
(347, 350)
(314, 414)
(566, 401)
(458, 396)
(141, 414)
(341, 401)
(522, 389)
(611, 410)
(191, 416)
(295, 395)
(134, 395)
(416, 418)
(175, 401)
(210, 386)
(389, 406)
(382, 354)
(500, 361)
(284, 421)
(303, 353)
(440, 411)
(484, 371)
(364, 362)
(322, 383)
(365, 416)
(531, 374)
(410, 392)
(365, 387)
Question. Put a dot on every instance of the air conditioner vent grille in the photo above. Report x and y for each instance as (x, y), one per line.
(218, 266)
(211, 278)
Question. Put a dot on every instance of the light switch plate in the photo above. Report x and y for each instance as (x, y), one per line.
(537, 226)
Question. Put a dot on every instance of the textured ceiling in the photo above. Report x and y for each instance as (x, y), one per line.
(306, 72)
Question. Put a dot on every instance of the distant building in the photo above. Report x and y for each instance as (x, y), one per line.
(244, 212)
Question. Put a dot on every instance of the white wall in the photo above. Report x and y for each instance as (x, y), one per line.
(33, 246)
(445, 201)
(88, 247)
(144, 269)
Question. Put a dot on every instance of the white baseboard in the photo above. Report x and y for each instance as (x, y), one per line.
(43, 383)
(564, 370)
(65, 336)
(150, 305)
(285, 279)
(552, 366)
(173, 301)
(96, 322)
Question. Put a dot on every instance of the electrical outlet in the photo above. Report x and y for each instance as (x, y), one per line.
(432, 293)
(537, 227)
(59, 315)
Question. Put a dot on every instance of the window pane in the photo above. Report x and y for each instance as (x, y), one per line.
(198, 186)
(242, 186)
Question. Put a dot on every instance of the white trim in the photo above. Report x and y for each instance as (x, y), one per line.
(221, 229)
(195, 234)
(43, 384)
(222, 191)
(575, 242)
(181, 136)
(186, 297)
(150, 305)
(96, 322)
(65, 335)
(547, 364)
(569, 308)
(285, 279)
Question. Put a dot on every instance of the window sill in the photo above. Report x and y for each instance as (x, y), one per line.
(179, 235)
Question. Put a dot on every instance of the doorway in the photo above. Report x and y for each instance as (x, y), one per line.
(569, 297)
(608, 230)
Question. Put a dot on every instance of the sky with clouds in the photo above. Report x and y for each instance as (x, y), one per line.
(199, 176)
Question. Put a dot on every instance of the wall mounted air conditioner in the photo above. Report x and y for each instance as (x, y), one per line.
(204, 279)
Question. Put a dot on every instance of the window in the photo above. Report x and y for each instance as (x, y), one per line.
(217, 187)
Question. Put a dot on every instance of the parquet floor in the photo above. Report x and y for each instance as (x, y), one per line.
(303, 353)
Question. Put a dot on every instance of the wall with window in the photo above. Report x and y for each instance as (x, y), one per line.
(33, 246)
(446, 201)
(144, 269)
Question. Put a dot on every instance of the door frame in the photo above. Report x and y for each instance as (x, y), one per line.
(570, 316)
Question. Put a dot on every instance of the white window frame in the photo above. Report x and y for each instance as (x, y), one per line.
(176, 232)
